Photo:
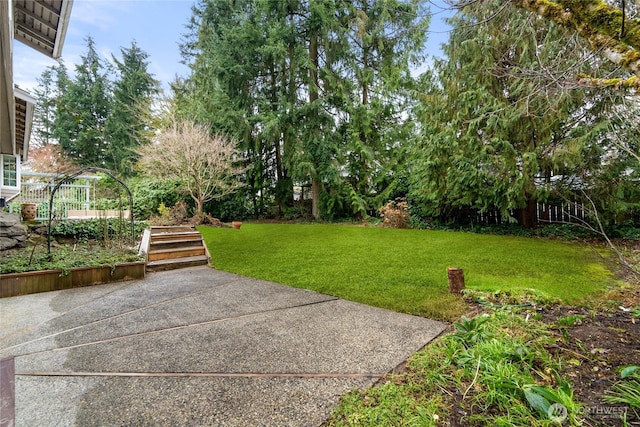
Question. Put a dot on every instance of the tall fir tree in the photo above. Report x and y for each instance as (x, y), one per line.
(128, 125)
(287, 79)
(385, 39)
(82, 110)
(495, 132)
(44, 110)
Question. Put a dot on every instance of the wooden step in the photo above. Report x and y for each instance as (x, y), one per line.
(177, 243)
(171, 228)
(173, 247)
(174, 236)
(175, 253)
(175, 263)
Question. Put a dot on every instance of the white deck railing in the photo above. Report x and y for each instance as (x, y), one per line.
(78, 195)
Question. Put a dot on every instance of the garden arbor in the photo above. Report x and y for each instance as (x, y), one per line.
(72, 176)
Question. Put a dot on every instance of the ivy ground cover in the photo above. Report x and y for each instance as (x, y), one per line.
(406, 270)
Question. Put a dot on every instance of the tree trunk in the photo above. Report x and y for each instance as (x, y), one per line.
(526, 215)
(199, 205)
(316, 187)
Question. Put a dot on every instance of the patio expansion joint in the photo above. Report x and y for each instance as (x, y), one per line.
(304, 375)
(173, 328)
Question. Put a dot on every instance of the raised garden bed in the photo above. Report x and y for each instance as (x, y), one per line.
(31, 282)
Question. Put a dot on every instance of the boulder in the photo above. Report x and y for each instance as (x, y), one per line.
(12, 232)
(7, 243)
(9, 219)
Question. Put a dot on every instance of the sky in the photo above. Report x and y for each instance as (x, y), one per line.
(157, 26)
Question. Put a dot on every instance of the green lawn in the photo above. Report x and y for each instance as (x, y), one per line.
(406, 270)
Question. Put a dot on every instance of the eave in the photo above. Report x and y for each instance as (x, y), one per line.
(25, 105)
(42, 24)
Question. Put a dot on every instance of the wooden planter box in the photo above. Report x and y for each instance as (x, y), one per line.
(31, 282)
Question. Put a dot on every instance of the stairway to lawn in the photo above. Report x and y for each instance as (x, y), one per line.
(175, 247)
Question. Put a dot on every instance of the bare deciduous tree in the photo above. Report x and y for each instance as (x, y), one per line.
(204, 165)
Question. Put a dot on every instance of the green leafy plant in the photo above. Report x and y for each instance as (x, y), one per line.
(148, 194)
(627, 390)
(471, 331)
(543, 398)
(175, 215)
(99, 229)
(64, 258)
(570, 320)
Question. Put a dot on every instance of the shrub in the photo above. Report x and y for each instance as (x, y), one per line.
(101, 229)
(149, 194)
(395, 214)
(235, 206)
(170, 216)
(63, 258)
(300, 210)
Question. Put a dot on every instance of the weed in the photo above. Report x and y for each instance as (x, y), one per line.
(571, 320)
(543, 398)
(511, 299)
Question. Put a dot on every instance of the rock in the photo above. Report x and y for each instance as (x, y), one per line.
(9, 219)
(14, 230)
(7, 243)
(20, 237)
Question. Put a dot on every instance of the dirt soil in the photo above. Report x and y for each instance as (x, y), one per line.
(595, 347)
(599, 343)
(594, 343)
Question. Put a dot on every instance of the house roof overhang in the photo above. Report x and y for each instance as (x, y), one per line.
(7, 103)
(25, 105)
(42, 24)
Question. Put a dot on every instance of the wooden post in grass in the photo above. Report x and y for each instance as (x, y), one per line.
(456, 280)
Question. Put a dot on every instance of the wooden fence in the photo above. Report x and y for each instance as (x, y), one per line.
(545, 213)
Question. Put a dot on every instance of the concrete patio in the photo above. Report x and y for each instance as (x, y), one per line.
(196, 347)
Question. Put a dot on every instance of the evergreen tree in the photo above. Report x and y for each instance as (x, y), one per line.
(385, 39)
(495, 133)
(611, 29)
(128, 125)
(305, 90)
(245, 59)
(44, 110)
(82, 110)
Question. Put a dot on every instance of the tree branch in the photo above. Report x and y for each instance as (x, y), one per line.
(599, 23)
